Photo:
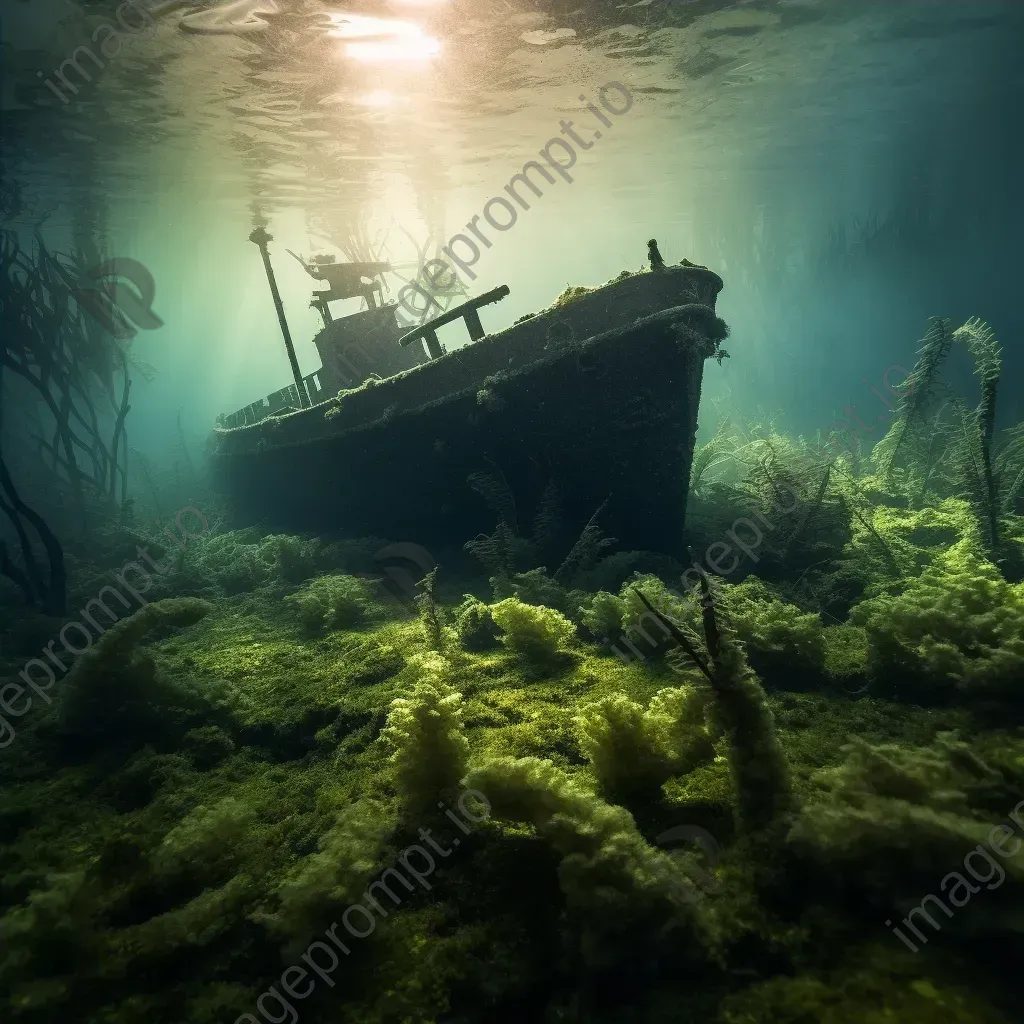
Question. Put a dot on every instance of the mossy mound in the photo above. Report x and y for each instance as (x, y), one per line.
(959, 625)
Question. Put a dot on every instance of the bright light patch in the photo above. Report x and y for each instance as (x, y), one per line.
(412, 49)
(361, 26)
(379, 99)
(382, 39)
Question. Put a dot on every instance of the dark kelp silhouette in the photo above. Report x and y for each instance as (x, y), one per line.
(72, 364)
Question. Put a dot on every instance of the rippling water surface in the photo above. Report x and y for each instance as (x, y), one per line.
(378, 129)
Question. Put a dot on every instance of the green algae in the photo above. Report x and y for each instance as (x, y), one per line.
(264, 762)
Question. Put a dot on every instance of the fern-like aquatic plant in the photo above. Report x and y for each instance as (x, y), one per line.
(495, 551)
(494, 489)
(740, 712)
(975, 454)
(439, 637)
(1009, 466)
(916, 402)
(810, 509)
(586, 552)
(712, 453)
(956, 445)
(546, 521)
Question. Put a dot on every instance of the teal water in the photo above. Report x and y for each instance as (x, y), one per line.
(718, 728)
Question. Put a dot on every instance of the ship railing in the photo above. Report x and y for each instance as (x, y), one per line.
(286, 398)
(467, 311)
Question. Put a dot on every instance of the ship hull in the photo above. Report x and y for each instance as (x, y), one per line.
(608, 416)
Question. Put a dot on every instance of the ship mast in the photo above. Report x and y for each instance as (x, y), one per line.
(261, 238)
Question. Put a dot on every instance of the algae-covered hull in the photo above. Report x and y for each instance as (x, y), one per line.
(598, 396)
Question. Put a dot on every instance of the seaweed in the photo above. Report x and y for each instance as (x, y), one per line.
(973, 455)
(496, 552)
(921, 387)
(956, 446)
(756, 759)
(586, 552)
(494, 489)
(546, 522)
(810, 510)
(49, 591)
(438, 635)
(712, 453)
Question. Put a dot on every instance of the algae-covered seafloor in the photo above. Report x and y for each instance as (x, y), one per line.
(547, 779)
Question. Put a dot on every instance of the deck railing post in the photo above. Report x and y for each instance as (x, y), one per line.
(433, 344)
(473, 325)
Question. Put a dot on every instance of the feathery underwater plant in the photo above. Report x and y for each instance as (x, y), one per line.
(502, 551)
(439, 636)
(497, 553)
(973, 456)
(494, 489)
(633, 751)
(426, 734)
(712, 453)
(546, 522)
(586, 552)
(990, 474)
(919, 392)
(740, 713)
(235, 562)
(865, 516)
(807, 514)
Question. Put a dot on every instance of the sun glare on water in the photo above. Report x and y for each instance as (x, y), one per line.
(382, 39)
(382, 99)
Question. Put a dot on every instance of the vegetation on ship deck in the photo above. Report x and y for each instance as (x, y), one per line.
(704, 805)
